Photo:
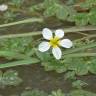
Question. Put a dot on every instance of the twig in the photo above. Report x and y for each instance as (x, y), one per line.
(30, 20)
(67, 30)
(80, 55)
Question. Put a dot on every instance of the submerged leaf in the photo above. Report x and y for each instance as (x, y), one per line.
(57, 93)
(81, 19)
(51, 11)
(79, 84)
(92, 16)
(81, 93)
(33, 93)
(62, 12)
(10, 77)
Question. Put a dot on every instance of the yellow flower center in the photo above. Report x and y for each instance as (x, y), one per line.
(54, 42)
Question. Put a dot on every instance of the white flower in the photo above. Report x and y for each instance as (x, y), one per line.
(3, 7)
(54, 42)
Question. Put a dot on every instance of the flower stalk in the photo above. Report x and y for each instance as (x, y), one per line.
(30, 20)
(36, 33)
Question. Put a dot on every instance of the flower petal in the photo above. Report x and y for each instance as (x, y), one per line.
(59, 33)
(44, 46)
(3, 7)
(66, 43)
(47, 33)
(57, 53)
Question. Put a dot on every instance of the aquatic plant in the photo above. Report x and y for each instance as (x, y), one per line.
(22, 48)
(54, 42)
(79, 59)
(56, 93)
(10, 77)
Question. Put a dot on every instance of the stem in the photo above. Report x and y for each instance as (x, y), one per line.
(80, 29)
(81, 33)
(88, 37)
(67, 30)
(79, 49)
(21, 62)
(30, 20)
(20, 35)
(12, 54)
(81, 55)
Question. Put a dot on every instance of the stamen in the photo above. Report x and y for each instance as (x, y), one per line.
(54, 42)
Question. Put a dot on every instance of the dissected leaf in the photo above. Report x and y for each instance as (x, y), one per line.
(33, 93)
(10, 77)
(17, 3)
(88, 3)
(57, 93)
(78, 65)
(79, 84)
(20, 62)
(81, 19)
(50, 11)
(70, 75)
(81, 93)
(92, 66)
(92, 16)
(50, 3)
(62, 12)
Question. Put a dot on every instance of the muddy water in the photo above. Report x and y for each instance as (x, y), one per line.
(35, 77)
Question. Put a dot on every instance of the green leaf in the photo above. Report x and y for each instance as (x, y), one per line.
(1, 74)
(81, 19)
(88, 4)
(92, 65)
(20, 62)
(92, 45)
(71, 18)
(37, 7)
(79, 84)
(57, 93)
(81, 93)
(17, 2)
(16, 48)
(70, 75)
(43, 56)
(53, 64)
(10, 77)
(81, 55)
(50, 63)
(78, 65)
(62, 12)
(50, 3)
(92, 16)
(13, 55)
(33, 93)
(50, 11)
(71, 2)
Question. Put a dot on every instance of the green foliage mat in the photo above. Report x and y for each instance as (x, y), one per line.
(57, 93)
(10, 77)
(79, 65)
(24, 49)
(82, 13)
